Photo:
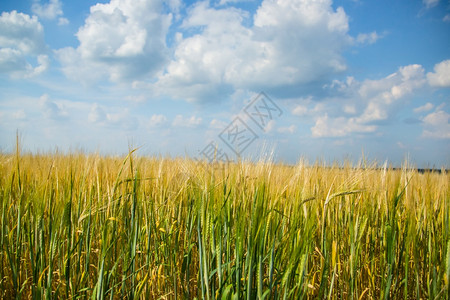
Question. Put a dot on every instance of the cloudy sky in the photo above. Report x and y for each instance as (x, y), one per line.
(341, 79)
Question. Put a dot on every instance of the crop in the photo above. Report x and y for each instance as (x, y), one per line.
(82, 225)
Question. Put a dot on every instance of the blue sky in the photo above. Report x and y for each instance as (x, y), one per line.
(341, 80)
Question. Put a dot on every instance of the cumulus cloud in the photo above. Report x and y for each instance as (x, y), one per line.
(339, 127)
(300, 110)
(79, 69)
(63, 21)
(157, 120)
(12, 60)
(218, 124)
(97, 114)
(382, 94)
(181, 121)
(122, 119)
(369, 103)
(441, 75)
(22, 32)
(436, 125)
(307, 107)
(120, 40)
(22, 45)
(50, 10)
(51, 109)
(223, 2)
(290, 129)
(226, 55)
(426, 107)
(349, 109)
(368, 38)
(270, 126)
(216, 50)
(14, 63)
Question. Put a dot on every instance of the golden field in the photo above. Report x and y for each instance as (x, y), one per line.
(80, 225)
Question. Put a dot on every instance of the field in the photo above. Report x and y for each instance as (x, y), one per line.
(80, 225)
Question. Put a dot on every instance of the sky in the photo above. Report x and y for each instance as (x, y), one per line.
(289, 79)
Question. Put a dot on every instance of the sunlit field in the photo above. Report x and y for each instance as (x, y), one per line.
(79, 225)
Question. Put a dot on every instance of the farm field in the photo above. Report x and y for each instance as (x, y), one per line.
(80, 225)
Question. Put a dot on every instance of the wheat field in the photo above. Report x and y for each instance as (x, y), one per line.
(80, 225)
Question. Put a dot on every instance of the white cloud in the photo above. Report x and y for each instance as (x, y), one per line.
(175, 6)
(290, 129)
(181, 121)
(339, 127)
(138, 98)
(397, 84)
(121, 119)
(342, 86)
(43, 63)
(308, 107)
(441, 75)
(446, 18)
(76, 68)
(50, 10)
(436, 118)
(368, 38)
(63, 21)
(226, 55)
(401, 145)
(97, 114)
(217, 124)
(370, 103)
(436, 125)
(120, 40)
(21, 32)
(224, 2)
(430, 3)
(373, 101)
(382, 94)
(12, 60)
(349, 109)
(22, 45)
(157, 120)
(51, 109)
(14, 63)
(270, 126)
(426, 107)
(300, 110)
